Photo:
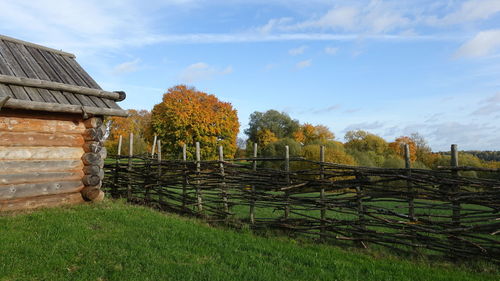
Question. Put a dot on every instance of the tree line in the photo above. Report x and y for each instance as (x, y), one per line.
(186, 116)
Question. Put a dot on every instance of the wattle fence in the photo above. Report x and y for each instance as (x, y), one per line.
(430, 212)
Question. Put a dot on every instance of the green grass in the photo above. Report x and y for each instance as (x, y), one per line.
(115, 241)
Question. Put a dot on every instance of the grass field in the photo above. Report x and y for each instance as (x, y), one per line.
(116, 241)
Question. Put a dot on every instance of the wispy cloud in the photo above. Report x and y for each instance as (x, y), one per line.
(304, 64)
(484, 43)
(489, 106)
(126, 67)
(297, 51)
(331, 50)
(202, 71)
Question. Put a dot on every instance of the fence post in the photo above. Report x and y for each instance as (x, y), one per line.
(153, 148)
(287, 178)
(223, 182)
(159, 185)
(361, 211)
(455, 188)
(322, 192)
(117, 168)
(411, 203)
(184, 176)
(252, 201)
(198, 172)
(130, 155)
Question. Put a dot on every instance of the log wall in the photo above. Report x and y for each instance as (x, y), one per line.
(41, 159)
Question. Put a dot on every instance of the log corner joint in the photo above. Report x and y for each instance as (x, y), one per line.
(3, 101)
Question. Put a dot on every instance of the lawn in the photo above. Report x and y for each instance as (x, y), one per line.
(115, 241)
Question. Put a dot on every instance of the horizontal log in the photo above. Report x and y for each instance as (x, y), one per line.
(41, 125)
(12, 167)
(92, 169)
(93, 134)
(92, 194)
(36, 46)
(40, 139)
(92, 146)
(92, 159)
(91, 180)
(40, 153)
(38, 177)
(93, 122)
(50, 85)
(66, 108)
(41, 201)
(37, 189)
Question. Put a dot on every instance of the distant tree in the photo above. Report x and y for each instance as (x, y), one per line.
(138, 123)
(279, 123)
(398, 147)
(334, 153)
(187, 116)
(364, 141)
(309, 134)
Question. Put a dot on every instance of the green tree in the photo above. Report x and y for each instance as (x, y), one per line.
(187, 116)
(278, 123)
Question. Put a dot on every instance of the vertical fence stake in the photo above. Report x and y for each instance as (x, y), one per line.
(184, 172)
(159, 185)
(252, 201)
(130, 155)
(455, 217)
(117, 168)
(287, 178)
(223, 183)
(361, 213)
(411, 203)
(198, 172)
(153, 148)
(322, 192)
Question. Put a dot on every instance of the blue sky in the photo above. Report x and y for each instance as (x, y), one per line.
(389, 67)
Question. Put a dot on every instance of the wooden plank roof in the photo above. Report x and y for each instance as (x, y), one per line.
(50, 80)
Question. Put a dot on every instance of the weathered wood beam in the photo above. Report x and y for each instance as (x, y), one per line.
(37, 189)
(41, 201)
(35, 123)
(25, 43)
(40, 153)
(24, 166)
(40, 139)
(66, 108)
(49, 85)
(37, 177)
(93, 194)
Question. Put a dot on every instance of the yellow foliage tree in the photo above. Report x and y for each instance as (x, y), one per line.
(187, 116)
(308, 134)
(265, 137)
(398, 147)
(137, 123)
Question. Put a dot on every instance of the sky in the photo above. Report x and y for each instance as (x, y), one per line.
(389, 67)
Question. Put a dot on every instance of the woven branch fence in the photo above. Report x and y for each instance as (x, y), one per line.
(430, 212)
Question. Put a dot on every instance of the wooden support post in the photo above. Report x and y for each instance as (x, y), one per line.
(361, 211)
(252, 202)
(411, 203)
(159, 182)
(184, 172)
(287, 179)
(198, 172)
(153, 148)
(455, 188)
(322, 191)
(130, 155)
(223, 182)
(115, 191)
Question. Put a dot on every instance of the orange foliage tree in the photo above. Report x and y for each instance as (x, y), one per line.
(307, 134)
(398, 147)
(137, 123)
(187, 116)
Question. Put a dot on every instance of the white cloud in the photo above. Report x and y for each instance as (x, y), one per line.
(343, 17)
(489, 106)
(331, 50)
(202, 71)
(484, 43)
(126, 67)
(472, 11)
(304, 64)
(297, 51)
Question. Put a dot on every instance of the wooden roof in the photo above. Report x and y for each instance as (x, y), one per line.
(35, 77)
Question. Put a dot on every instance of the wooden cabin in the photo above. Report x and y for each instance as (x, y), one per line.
(51, 127)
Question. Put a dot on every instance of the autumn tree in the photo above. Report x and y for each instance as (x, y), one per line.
(187, 116)
(278, 123)
(364, 141)
(398, 147)
(137, 123)
(309, 134)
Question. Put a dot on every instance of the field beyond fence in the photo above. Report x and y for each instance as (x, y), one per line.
(430, 212)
